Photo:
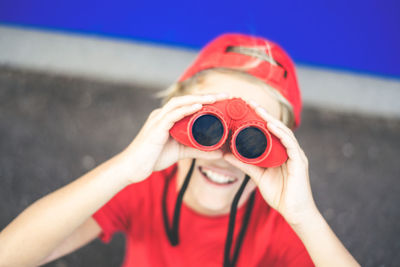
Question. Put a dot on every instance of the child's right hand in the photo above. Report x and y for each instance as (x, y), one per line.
(154, 149)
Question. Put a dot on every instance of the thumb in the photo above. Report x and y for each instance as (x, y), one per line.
(253, 171)
(190, 152)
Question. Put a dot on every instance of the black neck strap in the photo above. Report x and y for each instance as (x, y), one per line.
(228, 262)
(173, 233)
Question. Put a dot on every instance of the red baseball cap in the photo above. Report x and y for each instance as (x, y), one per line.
(257, 56)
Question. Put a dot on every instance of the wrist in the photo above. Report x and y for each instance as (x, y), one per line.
(302, 215)
(306, 219)
(123, 168)
(132, 167)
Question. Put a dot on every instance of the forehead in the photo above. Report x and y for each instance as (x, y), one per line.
(237, 86)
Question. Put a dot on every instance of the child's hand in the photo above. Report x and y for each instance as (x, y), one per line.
(285, 188)
(154, 149)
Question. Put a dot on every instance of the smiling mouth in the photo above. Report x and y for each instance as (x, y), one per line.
(216, 177)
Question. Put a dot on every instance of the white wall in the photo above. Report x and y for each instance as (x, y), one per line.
(156, 66)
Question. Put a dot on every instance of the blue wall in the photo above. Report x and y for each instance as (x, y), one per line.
(359, 35)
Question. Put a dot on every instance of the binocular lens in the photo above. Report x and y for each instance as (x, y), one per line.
(207, 130)
(251, 142)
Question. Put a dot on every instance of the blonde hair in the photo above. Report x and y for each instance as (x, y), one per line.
(184, 87)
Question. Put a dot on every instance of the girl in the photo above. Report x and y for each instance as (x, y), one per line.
(179, 206)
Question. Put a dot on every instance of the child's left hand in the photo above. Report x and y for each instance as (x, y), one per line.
(285, 188)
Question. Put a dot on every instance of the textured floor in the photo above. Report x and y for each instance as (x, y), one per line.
(53, 129)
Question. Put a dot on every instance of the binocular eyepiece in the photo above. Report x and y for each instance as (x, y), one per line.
(231, 125)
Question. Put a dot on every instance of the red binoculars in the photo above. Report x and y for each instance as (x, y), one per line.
(233, 120)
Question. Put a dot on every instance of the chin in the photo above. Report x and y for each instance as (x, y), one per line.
(213, 198)
(213, 186)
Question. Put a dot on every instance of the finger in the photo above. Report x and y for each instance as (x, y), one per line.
(303, 156)
(272, 120)
(154, 113)
(290, 143)
(218, 96)
(289, 140)
(179, 101)
(190, 152)
(269, 118)
(253, 171)
(168, 120)
(222, 96)
(281, 131)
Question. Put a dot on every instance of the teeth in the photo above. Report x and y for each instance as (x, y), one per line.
(217, 177)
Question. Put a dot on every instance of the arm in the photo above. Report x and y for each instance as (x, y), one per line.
(83, 235)
(39, 229)
(321, 242)
(45, 224)
(287, 189)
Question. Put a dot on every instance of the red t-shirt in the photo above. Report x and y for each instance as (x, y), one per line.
(137, 211)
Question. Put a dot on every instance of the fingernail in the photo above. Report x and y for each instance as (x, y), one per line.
(261, 110)
(253, 103)
(197, 106)
(272, 126)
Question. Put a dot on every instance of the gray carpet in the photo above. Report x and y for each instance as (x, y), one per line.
(53, 129)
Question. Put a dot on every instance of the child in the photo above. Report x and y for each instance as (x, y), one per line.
(180, 206)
